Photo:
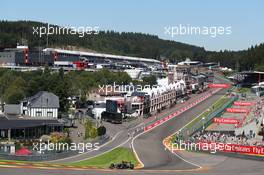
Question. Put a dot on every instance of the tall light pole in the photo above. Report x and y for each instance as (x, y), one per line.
(203, 120)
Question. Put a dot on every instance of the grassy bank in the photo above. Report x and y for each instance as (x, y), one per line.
(213, 108)
(115, 156)
(103, 161)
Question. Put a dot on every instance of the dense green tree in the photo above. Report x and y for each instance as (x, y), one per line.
(15, 91)
(14, 85)
(90, 130)
(128, 43)
(260, 67)
(124, 43)
(150, 80)
(101, 131)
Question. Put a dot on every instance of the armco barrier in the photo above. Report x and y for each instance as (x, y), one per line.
(242, 156)
(49, 156)
(235, 155)
(230, 147)
(204, 123)
(180, 111)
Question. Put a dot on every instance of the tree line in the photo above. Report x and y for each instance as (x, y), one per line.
(16, 85)
(131, 44)
(124, 43)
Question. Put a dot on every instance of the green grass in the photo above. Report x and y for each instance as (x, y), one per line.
(103, 161)
(214, 107)
(115, 156)
(224, 77)
(217, 105)
(243, 90)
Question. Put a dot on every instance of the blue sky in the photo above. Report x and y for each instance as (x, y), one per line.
(151, 16)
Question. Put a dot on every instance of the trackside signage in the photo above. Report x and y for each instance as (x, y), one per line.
(234, 148)
(226, 120)
(219, 85)
(237, 110)
(242, 103)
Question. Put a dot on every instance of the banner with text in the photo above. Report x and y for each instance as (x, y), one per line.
(237, 110)
(226, 120)
(242, 103)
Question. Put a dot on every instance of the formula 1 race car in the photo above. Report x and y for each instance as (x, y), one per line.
(122, 165)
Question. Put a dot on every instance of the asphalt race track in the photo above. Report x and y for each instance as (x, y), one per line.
(146, 143)
(230, 166)
(156, 159)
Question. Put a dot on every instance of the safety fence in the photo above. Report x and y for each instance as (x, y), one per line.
(203, 121)
(51, 155)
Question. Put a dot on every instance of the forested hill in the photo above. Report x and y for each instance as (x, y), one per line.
(128, 43)
(134, 44)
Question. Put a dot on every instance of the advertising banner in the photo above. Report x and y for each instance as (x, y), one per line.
(237, 110)
(226, 120)
(242, 103)
(218, 85)
(234, 148)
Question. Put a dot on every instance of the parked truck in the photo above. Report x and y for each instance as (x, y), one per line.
(111, 117)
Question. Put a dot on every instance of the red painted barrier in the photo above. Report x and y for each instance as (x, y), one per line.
(234, 148)
(183, 109)
(219, 85)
